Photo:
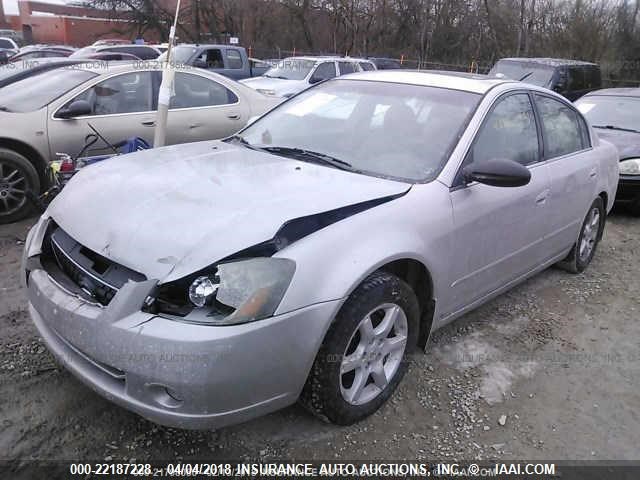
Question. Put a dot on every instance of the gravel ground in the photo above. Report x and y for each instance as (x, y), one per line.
(548, 371)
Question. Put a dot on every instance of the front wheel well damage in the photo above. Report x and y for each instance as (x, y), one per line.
(29, 153)
(419, 279)
(605, 199)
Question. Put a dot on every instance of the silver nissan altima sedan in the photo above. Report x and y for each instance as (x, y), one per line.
(304, 258)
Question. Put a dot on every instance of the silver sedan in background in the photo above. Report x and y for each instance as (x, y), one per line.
(307, 256)
(50, 112)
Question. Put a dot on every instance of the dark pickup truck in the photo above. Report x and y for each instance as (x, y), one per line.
(228, 60)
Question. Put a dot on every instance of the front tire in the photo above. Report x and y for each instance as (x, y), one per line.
(366, 351)
(590, 234)
(18, 180)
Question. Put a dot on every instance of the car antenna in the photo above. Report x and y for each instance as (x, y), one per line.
(166, 87)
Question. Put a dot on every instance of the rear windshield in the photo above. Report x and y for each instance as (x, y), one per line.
(535, 74)
(37, 91)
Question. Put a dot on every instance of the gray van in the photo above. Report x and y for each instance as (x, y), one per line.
(570, 78)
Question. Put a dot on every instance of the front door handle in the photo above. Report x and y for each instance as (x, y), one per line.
(542, 198)
(233, 116)
(593, 173)
(149, 123)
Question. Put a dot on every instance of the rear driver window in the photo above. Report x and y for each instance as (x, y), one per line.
(234, 58)
(193, 91)
(562, 129)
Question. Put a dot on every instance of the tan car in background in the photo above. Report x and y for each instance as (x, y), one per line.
(50, 113)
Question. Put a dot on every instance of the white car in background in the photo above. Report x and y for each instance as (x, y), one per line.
(9, 44)
(294, 74)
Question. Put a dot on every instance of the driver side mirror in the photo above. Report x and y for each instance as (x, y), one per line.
(315, 79)
(78, 108)
(497, 172)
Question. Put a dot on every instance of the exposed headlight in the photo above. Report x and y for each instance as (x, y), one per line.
(203, 289)
(229, 293)
(630, 167)
(266, 91)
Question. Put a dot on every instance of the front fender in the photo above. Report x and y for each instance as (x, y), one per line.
(333, 261)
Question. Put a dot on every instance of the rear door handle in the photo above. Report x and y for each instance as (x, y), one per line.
(233, 116)
(542, 198)
(149, 123)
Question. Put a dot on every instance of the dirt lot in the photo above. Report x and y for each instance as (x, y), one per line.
(557, 358)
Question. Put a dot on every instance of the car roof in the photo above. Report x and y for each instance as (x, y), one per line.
(469, 82)
(208, 45)
(551, 62)
(356, 59)
(616, 92)
(108, 47)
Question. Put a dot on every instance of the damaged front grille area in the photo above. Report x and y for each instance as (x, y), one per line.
(90, 274)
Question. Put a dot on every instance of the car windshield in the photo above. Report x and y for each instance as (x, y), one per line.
(385, 129)
(534, 74)
(34, 92)
(611, 111)
(181, 54)
(4, 43)
(291, 69)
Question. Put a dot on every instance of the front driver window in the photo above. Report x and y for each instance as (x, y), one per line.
(128, 93)
(212, 57)
(195, 91)
(508, 132)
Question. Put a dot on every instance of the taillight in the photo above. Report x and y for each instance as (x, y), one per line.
(67, 165)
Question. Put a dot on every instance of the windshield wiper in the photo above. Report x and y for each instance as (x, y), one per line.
(614, 127)
(526, 75)
(242, 141)
(4, 109)
(275, 76)
(308, 155)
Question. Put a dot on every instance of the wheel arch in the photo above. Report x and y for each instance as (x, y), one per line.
(419, 278)
(29, 153)
(605, 200)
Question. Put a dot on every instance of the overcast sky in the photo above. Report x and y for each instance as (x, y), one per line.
(11, 6)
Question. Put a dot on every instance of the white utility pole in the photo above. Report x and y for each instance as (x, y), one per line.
(166, 88)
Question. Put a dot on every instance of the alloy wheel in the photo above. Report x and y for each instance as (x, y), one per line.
(13, 187)
(590, 232)
(373, 354)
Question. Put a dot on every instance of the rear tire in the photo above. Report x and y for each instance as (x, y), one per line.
(366, 351)
(590, 234)
(18, 181)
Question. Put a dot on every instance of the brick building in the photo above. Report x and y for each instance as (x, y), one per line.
(42, 22)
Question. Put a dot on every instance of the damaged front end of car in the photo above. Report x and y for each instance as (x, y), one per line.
(248, 285)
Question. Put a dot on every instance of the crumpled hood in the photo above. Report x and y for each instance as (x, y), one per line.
(280, 86)
(171, 211)
(627, 143)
